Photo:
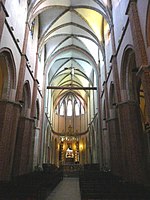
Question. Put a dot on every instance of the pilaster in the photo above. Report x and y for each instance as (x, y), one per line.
(115, 68)
(22, 66)
(138, 41)
(35, 87)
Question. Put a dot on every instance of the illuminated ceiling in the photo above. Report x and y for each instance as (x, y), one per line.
(71, 33)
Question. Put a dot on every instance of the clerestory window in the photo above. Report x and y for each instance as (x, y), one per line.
(70, 105)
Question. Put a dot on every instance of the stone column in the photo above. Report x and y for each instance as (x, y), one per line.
(115, 146)
(99, 142)
(140, 52)
(115, 70)
(36, 148)
(113, 124)
(9, 115)
(132, 142)
(35, 87)
(3, 15)
(42, 118)
(22, 68)
(23, 158)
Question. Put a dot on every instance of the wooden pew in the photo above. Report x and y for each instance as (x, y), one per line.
(101, 185)
(33, 186)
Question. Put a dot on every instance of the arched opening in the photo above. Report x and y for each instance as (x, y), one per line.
(26, 100)
(23, 156)
(132, 135)
(129, 80)
(9, 112)
(7, 75)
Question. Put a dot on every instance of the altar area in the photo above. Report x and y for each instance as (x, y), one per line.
(69, 158)
(71, 170)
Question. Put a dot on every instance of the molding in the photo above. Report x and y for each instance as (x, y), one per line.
(111, 119)
(10, 102)
(4, 9)
(131, 102)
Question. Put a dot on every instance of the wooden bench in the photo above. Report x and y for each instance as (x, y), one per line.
(96, 184)
(32, 186)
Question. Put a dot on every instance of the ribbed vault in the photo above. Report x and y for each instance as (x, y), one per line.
(71, 34)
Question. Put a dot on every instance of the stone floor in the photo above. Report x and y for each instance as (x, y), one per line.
(68, 189)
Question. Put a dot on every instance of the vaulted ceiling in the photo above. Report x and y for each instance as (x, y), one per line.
(71, 33)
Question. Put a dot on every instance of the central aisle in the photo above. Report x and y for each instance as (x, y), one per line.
(67, 189)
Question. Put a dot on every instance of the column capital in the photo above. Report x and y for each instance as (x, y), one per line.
(127, 102)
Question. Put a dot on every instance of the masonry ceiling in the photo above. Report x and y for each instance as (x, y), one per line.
(70, 33)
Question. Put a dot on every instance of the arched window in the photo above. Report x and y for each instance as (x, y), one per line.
(69, 108)
(7, 73)
(77, 109)
(82, 110)
(70, 105)
(62, 109)
(129, 79)
(26, 99)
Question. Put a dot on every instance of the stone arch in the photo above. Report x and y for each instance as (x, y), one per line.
(7, 74)
(26, 99)
(129, 80)
(131, 122)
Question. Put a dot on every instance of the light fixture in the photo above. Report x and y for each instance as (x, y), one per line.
(81, 147)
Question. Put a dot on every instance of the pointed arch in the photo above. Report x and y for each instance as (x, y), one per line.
(129, 80)
(26, 99)
(7, 74)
